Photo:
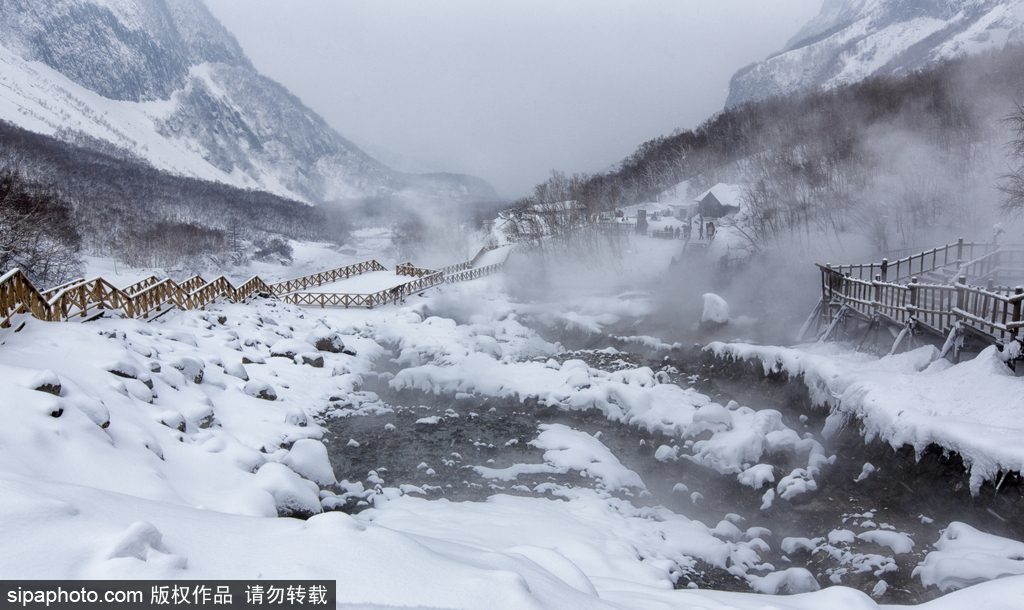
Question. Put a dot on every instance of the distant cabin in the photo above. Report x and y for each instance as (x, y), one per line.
(719, 200)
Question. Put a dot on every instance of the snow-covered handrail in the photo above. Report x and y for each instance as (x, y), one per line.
(978, 260)
(81, 297)
(325, 277)
(994, 314)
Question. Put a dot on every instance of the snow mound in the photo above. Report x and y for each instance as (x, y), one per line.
(567, 449)
(965, 556)
(786, 582)
(899, 543)
(308, 458)
(716, 310)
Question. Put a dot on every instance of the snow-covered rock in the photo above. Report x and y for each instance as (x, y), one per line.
(898, 542)
(326, 340)
(45, 381)
(192, 368)
(260, 389)
(716, 310)
(293, 495)
(236, 369)
(791, 581)
(290, 348)
(308, 458)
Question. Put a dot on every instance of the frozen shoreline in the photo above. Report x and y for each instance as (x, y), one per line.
(974, 408)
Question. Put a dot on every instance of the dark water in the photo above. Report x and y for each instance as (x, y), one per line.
(473, 431)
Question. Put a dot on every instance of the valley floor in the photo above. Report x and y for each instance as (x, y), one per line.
(458, 451)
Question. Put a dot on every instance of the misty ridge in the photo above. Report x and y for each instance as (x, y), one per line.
(863, 171)
(114, 204)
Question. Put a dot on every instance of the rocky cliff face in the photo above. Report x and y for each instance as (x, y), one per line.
(853, 39)
(165, 82)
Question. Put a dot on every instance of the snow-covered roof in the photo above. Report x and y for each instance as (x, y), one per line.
(726, 194)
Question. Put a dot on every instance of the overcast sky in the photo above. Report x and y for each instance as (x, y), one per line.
(509, 89)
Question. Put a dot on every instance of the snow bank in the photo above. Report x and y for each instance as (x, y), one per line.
(965, 556)
(971, 408)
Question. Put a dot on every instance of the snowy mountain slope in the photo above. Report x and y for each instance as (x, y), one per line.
(165, 82)
(853, 39)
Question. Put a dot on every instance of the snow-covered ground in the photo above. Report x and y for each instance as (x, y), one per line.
(168, 449)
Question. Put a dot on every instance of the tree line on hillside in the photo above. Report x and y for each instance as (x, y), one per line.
(895, 158)
(107, 203)
(37, 231)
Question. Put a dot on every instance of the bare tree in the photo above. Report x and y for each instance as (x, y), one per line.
(37, 232)
(1011, 184)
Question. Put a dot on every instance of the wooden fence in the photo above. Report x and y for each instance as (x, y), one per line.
(83, 298)
(381, 297)
(325, 277)
(941, 308)
(413, 271)
(472, 274)
(979, 262)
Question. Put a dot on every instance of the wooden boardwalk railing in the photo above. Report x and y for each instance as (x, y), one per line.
(413, 271)
(325, 277)
(381, 297)
(82, 298)
(994, 313)
(978, 261)
(473, 273)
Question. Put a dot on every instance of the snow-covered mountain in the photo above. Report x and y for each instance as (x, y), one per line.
(854, 39)
(165, 82)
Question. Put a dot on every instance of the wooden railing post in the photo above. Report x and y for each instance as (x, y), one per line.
(877, 297)
(885, 269)
(961, 292)
(826, 279)
(959, 252)
(913, 292)
(1016, 310)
